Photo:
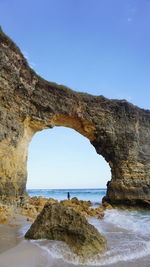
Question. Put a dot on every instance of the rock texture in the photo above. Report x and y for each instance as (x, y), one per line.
(57, 222)
(6, 213)
(33, 205)
(118, 130)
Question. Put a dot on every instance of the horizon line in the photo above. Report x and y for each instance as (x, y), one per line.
(65, 188)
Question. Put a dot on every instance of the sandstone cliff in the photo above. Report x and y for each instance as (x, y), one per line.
(118, 130)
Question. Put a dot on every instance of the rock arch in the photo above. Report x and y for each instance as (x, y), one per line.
(118, 130)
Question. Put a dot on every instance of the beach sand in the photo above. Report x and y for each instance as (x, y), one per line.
(23, 255)
(9, 236)
(15, 251)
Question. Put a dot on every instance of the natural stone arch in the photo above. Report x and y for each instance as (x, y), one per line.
(118, 130)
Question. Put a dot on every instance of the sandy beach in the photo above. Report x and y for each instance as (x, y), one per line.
(8, 237)
(15, 251)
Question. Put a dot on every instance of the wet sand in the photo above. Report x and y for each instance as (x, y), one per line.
(9, 236)
(14, 250)
(23, 255)
(17, 252)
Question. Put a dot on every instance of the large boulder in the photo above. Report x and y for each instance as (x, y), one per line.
(58, 222)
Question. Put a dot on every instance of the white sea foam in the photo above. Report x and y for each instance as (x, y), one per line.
(133, 221)
(128, 235)
(60, 250)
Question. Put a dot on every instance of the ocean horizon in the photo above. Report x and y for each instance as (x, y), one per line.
(92, 194)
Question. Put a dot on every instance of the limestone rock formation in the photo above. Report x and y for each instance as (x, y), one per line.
(118, 130)
(84, 207)
(57, 222)
(39, 202)
(33, 205)
(6, 213)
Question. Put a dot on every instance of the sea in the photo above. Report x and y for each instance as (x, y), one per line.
(94, 195)
(127, 233)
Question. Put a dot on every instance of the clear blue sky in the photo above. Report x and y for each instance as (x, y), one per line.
(97, 46)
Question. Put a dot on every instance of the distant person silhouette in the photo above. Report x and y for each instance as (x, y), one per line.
(68, 195)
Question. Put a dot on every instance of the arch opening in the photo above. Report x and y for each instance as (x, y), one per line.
(62, 158)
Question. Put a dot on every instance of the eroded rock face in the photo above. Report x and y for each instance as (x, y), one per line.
(58, 222)
(118, 130)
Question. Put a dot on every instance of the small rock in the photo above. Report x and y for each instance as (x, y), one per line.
(101, 216)
(75, 200)
(107, 206)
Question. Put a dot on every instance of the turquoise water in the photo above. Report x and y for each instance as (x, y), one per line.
(94, 195)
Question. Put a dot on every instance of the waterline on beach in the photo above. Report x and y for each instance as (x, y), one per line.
(128, 237)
